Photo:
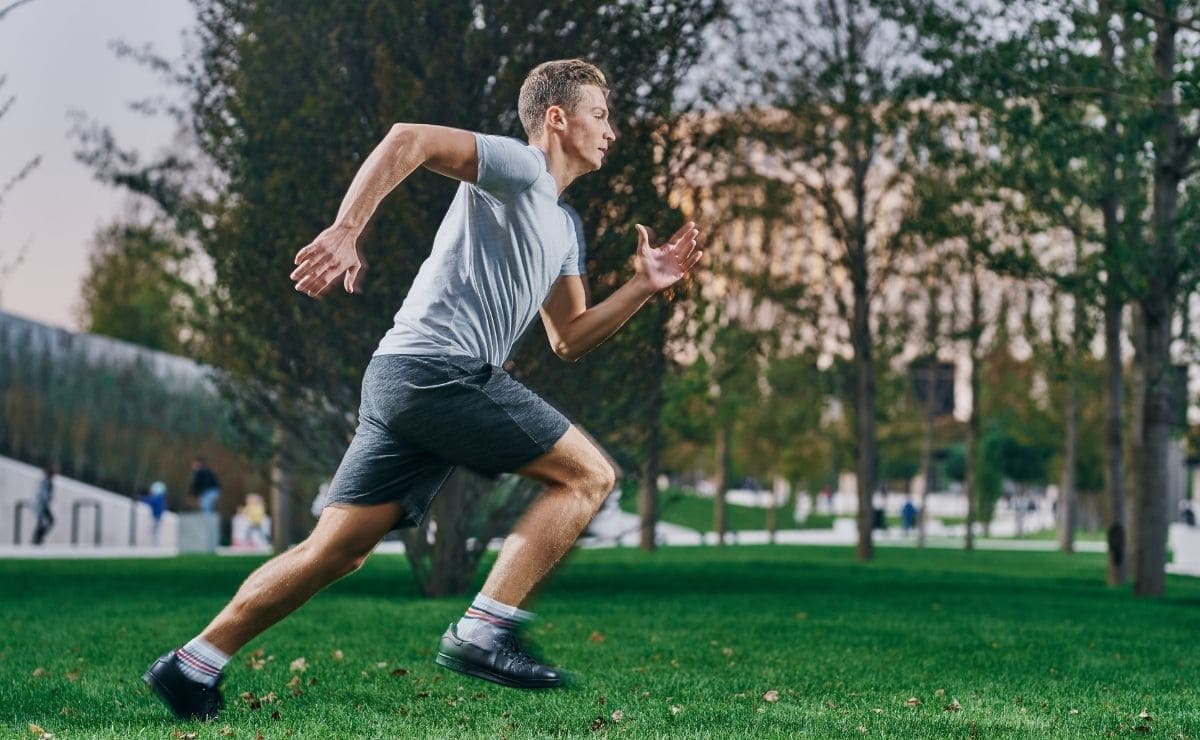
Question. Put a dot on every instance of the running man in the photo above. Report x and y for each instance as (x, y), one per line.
(434, 395)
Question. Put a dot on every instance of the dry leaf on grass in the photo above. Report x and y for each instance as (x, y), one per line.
(953, 706)
(597, 724)
(596, 637)
(727, 651)
(299, 665)
(73, 674)
(251, 700)
(940, 693)
(912, 702)
(181, 735)
(1145, 715)
(862, 729)
(676, 709)
(771, 696)
(399, 671)
(338, 655)
(39, 733)
(226, 731)
(39, 672)
(618, 715)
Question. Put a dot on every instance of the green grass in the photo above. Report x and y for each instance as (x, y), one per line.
(1029, 645)
(695, 512)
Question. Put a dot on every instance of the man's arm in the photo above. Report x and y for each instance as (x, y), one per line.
(575, 328)
(407, 146)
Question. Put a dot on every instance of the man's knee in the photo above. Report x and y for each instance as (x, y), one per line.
(600, 479)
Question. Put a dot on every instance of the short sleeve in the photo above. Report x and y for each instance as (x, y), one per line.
(576, 261)
(506, 166)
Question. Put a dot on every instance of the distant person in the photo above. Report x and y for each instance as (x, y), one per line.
(258, 523)
(908, 516)
(1187, 514)
(206, 487)
(41, 504)
(156, 499)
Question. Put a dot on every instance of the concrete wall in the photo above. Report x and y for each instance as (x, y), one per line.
(19, 482)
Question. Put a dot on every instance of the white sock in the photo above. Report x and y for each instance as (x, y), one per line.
(485, 613)
(201, 661)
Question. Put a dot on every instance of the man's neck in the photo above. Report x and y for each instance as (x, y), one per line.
(557, 163)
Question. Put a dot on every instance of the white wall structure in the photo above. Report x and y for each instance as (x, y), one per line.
(119, 516)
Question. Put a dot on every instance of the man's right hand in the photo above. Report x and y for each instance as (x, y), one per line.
(332, 256)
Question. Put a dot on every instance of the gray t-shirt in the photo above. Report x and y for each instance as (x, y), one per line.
(504, 242)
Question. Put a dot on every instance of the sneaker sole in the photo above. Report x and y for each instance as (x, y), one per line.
(455, 664)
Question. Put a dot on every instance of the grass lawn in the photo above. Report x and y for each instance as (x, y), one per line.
(696, 512)
(693, 642)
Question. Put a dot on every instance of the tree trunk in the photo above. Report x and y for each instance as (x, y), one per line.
(1114, 446)
(926, 460)
(648, 486)
(1158, 303)
(281, 495)
(1114, 449)
(971, 456)
(1150, 461)
(724, 466)
(648, 493)
(1067, 496)
(864, 406)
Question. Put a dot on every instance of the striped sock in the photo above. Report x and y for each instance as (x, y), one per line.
(486, 613)
(202, 662)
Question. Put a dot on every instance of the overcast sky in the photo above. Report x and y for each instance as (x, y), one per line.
(57, 57)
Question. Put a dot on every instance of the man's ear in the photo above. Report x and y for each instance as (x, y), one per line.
(556, 118)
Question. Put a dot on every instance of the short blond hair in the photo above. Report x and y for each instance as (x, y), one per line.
(555, 83)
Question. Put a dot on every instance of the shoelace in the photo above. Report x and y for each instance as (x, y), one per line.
(509, 646)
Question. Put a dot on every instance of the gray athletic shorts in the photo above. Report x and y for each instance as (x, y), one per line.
(421, 416)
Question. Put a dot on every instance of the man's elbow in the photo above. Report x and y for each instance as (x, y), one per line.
(566, 351)
(405, 136)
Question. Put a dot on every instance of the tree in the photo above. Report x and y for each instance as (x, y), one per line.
(135, 287)
(831, 119)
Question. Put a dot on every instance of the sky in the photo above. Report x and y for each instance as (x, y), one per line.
(57, 58)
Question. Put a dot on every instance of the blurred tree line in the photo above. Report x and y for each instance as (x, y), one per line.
(882, 183)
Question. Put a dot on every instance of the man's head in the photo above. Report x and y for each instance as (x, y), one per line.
(558, 83)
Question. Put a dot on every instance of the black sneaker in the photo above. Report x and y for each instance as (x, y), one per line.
(188, 699)
(496, 656)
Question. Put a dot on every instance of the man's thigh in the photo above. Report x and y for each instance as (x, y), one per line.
(574, 457)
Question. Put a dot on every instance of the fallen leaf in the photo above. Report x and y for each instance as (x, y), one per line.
(597, 724)
(676, 709)
(269, 698)
(862, 729)
(338, 655)
(294, 682)
(877, 710)
(618, 715)
(251, 699)
(912, 702)
(1145, 715)
(771, 696)
(66, 711)
(953, 706)
(940, 693)
(831, 704)
(73, 674)
(727, 651)
(299, 665)
(259, 736)
(596, 637)
(276, 715)
(226, 731)
(422, 694)
(400, 672)
(1074, 711)
(180, 735)
(38, 673)
(381, 664)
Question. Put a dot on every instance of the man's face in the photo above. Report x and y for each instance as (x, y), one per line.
(589, 132)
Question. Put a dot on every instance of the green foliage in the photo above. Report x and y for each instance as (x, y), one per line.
(135, 290)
